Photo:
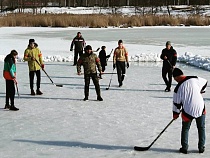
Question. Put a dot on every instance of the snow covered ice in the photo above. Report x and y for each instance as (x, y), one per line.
(60, 124)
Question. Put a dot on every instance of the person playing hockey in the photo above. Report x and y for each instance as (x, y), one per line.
(188, 100)
(9, 74)
(78, 43)
(119, 59)
(89, 60)
(32, 54)
(103, 58)
(169, 57)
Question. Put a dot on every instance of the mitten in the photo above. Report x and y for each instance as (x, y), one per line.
(114, 66)
(127, 65)
(175, 116)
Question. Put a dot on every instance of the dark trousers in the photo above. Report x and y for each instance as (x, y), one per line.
(103, 66)
(200, 122)
(10, 92)
(76, 53)
(120, 71)
(168, 81)
(95, 82)
(38, 77)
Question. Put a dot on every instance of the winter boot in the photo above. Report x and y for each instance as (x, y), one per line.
(99, 98)
(85, 99)
(201, 150)
(167, 89)
(120, 85)
(32, 92)
(7, 106)
(13, 108)
(182, 150)
(38, 92)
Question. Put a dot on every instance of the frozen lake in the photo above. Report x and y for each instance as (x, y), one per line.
(60, 124)
(56, 41)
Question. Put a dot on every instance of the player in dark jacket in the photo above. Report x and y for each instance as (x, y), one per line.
(78, 42)
(169, 57)
(103, 57)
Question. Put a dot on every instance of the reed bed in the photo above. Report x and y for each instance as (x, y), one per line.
(99, 20)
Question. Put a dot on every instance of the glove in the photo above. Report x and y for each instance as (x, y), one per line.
(127, 65)
(114, 66)
(71, 49)
(175, 116)
(108, 56)
(42, 66)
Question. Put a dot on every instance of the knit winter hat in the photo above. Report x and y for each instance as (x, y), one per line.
(88, 47)
(168, 43)
(103, 47)
(177, 72)
(31, 40)
(120, 41)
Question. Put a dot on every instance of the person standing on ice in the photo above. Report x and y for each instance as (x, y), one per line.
(169, 57)
(119, 58)
(188, 100)
(9, 74)
(103, 58)
(78, 42)
(33, 55)
(89, 60)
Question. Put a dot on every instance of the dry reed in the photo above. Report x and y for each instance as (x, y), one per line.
(99, 20)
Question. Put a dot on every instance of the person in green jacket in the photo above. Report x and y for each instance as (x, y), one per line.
(89, 60)
(33, 55)
(9, 74)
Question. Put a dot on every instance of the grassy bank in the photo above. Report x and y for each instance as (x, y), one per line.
(99, 20)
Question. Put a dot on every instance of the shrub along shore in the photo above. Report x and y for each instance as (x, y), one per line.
(100, 20)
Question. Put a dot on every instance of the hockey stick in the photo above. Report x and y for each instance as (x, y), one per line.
(96, 50)
(109, 56)
(17, 89)
(137, 148)
(110, 80)
(58, 85)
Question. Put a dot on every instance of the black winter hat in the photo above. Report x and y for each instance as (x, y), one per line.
(120, 41)
(168, 43)
(31, 40)
(88, 47)
(177, 72)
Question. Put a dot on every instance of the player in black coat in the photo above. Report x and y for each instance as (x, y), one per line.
(103, 58)
(169, 57)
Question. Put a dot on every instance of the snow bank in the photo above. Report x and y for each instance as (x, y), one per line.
(188, 58)
(195, 60)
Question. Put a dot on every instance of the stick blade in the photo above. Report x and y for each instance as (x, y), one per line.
(59, 85)
(138, 148)
(107, 88)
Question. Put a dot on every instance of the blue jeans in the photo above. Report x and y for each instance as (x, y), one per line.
(200, 122)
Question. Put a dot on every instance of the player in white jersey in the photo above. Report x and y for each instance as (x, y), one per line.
(188, 100)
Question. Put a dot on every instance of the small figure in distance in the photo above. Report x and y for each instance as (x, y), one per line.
(78, 43)
(169, 57)
(103, 58)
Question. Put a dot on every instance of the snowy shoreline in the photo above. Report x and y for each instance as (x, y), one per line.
(188, 58)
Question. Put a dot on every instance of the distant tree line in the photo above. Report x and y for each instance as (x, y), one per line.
(21, 4)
